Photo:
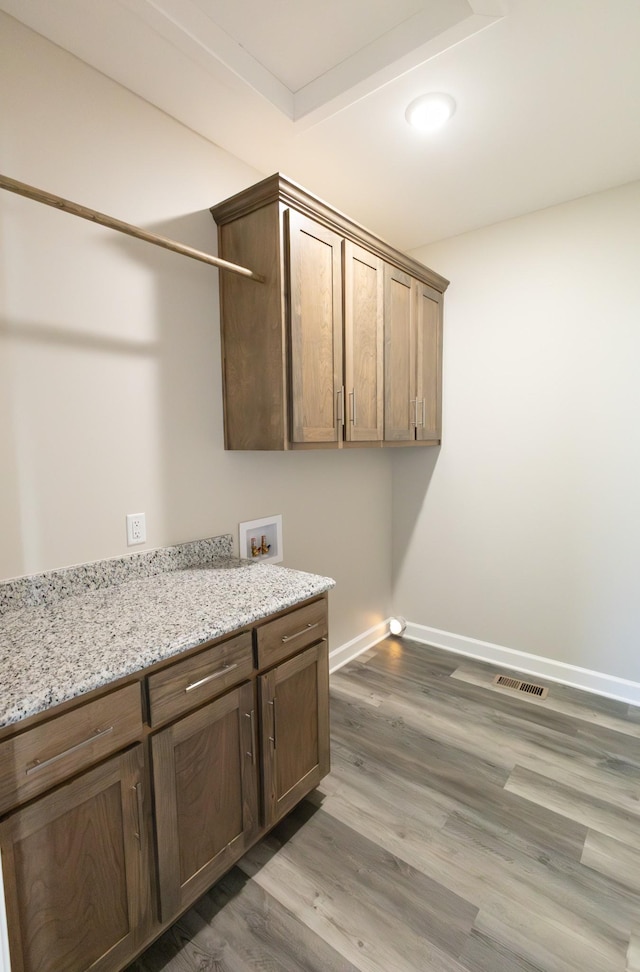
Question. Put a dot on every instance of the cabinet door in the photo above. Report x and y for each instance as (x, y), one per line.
(400, 399)
(76, 872)
(429, 362)
(205, 777)
(363, 344)
(295, 729)
(315, 321)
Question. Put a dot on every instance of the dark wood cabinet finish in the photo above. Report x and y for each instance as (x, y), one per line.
(428, 362)
(206, 784)
(303, 352)
(399, 357)
(191, 682)
(254, 335)
(413, 360)
(294, 703)
(315, 284)
(77, 872)
(363, 344)
(290, 633)
(33, 761)
(234, 735)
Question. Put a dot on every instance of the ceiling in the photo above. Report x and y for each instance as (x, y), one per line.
(547, 92)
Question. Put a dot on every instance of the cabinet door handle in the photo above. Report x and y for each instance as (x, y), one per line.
(352, 396)
(210, 678)
(139, 811)
(422, 412)
(298, 633)
(252, 751)
(274, 737)
(341, 406)
(40, 764)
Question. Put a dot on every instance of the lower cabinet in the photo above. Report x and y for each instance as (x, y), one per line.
(208, 752)
(206, 783)
(294, 699)
(76, 868)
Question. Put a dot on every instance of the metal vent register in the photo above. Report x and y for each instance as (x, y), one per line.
(517, 685)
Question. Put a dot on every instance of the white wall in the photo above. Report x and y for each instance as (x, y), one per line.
(522, 530)
(525, 530)
(110, 390)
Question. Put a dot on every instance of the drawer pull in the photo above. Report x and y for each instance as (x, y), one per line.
(40, 764)
(140, 810)
(298, 633)
(210, 678)
(252, 752)
(274, 738)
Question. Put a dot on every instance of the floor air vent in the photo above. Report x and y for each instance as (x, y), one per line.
(529, 688)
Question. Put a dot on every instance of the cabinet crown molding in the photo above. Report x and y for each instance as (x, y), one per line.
(279, 188)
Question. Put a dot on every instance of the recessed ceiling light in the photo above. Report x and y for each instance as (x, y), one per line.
(430, 111)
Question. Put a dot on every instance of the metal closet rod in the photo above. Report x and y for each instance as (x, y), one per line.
(39, 195)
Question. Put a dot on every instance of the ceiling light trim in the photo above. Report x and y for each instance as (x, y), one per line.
(430, 112)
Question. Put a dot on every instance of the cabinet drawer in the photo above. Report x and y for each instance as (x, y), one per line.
(291, 633)
(51, 752)
(199, 678)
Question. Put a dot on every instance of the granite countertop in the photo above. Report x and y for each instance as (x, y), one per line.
(59, 639)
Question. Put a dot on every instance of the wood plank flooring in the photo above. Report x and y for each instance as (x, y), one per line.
(463, 828)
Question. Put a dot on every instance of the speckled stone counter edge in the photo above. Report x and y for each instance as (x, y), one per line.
(54, 585)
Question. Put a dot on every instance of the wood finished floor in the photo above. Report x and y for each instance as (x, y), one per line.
(462, 829)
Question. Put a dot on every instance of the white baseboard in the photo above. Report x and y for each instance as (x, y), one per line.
(347, 652)
(545, 668)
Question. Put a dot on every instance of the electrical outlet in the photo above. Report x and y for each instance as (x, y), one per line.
(136, 528)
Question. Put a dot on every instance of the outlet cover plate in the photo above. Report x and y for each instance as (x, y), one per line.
(136, 528)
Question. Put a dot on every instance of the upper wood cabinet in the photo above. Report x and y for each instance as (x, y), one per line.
(428, 362)
(399, 356)
(315, 323)
(363, 344)
(305, 355)
(413, 360)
